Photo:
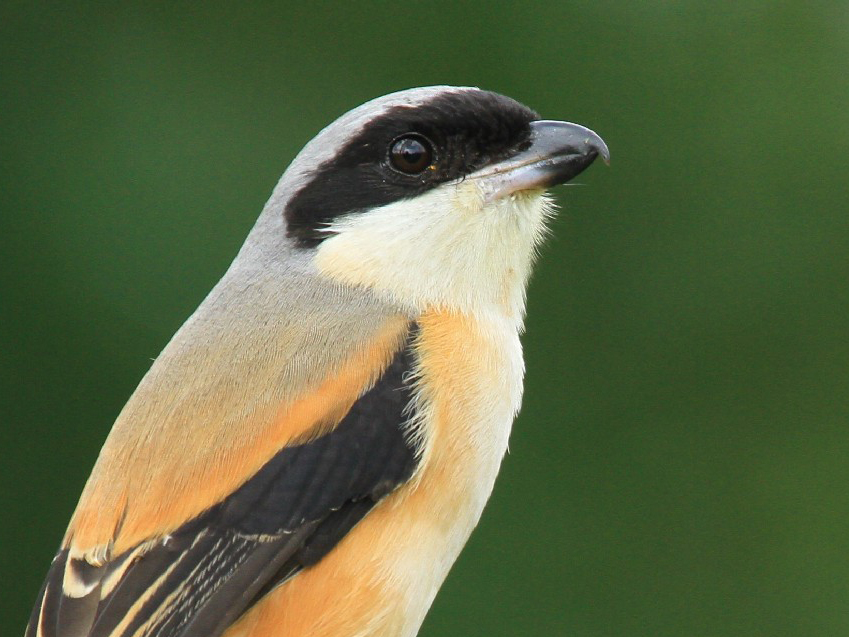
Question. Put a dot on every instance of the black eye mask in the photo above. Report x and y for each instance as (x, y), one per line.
(405, 152)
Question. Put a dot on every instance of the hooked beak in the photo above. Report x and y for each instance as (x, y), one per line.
(558, 152)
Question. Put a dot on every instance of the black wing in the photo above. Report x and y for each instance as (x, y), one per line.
(290, 514)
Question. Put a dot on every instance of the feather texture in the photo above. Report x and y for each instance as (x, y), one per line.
(202, 576)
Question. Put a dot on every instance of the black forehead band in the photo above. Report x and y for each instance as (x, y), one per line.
(468, 129)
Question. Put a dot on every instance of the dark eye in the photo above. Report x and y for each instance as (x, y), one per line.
(410, 154)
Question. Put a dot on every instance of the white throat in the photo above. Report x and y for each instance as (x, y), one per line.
(448, 248)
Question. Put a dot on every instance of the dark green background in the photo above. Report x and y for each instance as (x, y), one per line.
(681, 464)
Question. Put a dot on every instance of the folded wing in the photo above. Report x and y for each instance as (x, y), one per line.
(199, 578)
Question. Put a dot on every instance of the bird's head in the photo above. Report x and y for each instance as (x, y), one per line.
(432, 197)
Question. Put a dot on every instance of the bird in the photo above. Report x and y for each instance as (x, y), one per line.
(312, 449)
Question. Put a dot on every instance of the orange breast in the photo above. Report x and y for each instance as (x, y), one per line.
(380, 580)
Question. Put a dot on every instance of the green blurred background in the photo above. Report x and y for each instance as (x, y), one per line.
(681, 464)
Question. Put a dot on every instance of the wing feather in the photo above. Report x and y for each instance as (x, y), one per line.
(202, 576)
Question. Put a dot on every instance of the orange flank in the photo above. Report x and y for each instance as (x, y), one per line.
(382, 577)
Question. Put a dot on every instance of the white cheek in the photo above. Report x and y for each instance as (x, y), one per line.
(445, 248)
